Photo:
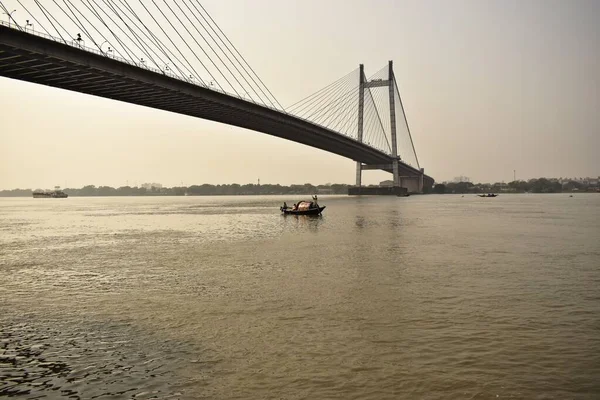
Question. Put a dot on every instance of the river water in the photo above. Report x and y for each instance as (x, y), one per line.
(425, 297)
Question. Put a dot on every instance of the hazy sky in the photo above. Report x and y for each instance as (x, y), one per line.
(488, 87)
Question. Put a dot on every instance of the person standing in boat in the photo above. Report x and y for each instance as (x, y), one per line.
(315, 201)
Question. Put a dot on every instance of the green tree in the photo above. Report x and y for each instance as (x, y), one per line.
(439, 188)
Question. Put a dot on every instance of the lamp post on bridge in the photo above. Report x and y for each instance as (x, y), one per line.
(10, 17)
(102, 44)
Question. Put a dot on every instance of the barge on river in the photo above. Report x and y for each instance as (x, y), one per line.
(50, 194)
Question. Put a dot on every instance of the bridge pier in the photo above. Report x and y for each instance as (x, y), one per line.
(377, 190)
(395, 173)
(406, 183)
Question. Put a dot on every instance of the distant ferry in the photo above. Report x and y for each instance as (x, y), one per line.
(53, 194)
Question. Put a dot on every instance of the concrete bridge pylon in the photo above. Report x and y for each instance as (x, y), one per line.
(416, 183)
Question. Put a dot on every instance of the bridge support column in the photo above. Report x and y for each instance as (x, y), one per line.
(395, 173)
(361, 109)
(358, 173)
(393, 124)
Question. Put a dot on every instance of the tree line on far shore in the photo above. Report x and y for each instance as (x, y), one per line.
(194, 190)
(540, 185)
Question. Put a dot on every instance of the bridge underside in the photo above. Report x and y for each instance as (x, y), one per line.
(34, 59)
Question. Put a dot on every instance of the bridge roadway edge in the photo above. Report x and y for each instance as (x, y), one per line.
(117, 80)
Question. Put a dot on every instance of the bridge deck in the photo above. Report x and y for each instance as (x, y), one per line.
(31, 58)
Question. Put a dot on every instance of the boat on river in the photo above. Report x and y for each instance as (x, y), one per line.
(50, 194)
(303, 208)
(488, 195)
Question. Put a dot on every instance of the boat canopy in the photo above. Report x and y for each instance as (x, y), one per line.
(305, 205)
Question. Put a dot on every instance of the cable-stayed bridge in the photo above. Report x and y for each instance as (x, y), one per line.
(171, 55)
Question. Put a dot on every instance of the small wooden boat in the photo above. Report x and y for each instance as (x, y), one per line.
(488, 195)
(303, 208)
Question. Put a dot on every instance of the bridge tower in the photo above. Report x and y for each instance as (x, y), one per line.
(364, 84)
(390, 83)
(361, 109)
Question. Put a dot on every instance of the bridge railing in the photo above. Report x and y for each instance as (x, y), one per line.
(141, 64)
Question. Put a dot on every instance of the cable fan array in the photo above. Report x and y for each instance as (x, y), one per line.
(403, 135)
(178, 38)
(406, 149)
(335, 107)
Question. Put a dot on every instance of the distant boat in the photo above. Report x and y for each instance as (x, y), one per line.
(303, 208)
(488, 195)
(50, 194)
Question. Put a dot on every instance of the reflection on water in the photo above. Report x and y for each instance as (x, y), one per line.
(224, 297)
(302, 222)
